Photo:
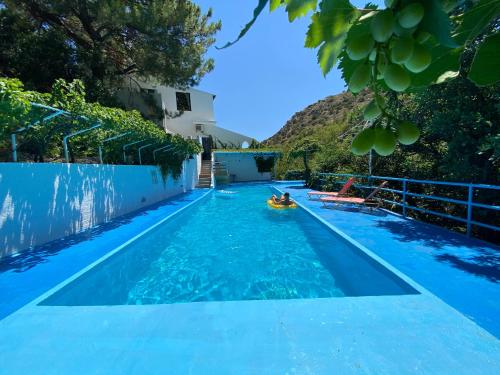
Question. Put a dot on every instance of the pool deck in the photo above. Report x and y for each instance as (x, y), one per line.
(463, 272)
(449, 328)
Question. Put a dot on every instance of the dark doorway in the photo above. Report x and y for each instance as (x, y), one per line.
(206, 142)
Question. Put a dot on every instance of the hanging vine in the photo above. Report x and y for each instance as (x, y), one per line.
(264, 164)
(45, 137)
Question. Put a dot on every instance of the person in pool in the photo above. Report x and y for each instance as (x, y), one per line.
(284, 200)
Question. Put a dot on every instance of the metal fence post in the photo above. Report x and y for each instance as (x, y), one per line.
(404, 197)
(65, 139)
(14, 147)
(469, 209)
(140, 150)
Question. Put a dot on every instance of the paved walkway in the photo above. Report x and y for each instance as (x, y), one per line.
(463, 272)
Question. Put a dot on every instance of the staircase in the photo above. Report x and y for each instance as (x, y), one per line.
(205, 179)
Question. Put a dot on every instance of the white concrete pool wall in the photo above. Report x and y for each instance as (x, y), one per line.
(241, 166)
(41, 202)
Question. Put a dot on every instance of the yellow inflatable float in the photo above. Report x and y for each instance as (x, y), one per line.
(280, 206)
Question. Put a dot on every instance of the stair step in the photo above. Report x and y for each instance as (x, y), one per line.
(205, 177)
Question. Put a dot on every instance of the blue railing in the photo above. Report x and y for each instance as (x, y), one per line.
(405, 192)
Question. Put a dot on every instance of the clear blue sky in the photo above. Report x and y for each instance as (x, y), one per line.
(266, 77)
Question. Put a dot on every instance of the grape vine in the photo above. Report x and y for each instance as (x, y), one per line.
(42, 138)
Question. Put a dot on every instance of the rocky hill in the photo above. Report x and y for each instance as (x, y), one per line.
(332, 109)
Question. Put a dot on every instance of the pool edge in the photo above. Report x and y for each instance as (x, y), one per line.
(370, 254)
(112, 252)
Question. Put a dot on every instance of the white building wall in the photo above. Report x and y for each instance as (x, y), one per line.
(202, 105)
(41, 202)
(241, 166)
(202, 113)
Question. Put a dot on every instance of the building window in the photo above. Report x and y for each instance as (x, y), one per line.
(183, 101)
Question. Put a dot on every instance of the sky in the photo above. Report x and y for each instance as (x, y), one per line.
(266, 77)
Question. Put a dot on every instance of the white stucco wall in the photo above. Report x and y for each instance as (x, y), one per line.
(242, 166)
(202, 113)
(41, 202)
(202, 108)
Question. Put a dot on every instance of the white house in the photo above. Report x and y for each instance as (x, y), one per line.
(189, 113)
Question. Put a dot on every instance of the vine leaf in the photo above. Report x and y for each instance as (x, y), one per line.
(359, 29)
(274, 4)
(299, 8)
(437, 22)
(484, 70)
(256, 12)
(328, 29)
(476, 19)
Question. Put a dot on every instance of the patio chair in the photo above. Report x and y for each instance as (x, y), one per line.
(369, 201)
(341, 192)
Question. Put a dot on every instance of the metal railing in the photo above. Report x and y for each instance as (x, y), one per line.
(405, 192)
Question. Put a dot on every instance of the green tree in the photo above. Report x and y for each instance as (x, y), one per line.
(100, 42)
(254, 144)
(460, 132)
(34, 54)
(304, 149)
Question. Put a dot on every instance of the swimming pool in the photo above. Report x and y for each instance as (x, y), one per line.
(232, 247)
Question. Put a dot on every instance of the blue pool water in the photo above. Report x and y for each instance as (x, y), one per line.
(232, 247)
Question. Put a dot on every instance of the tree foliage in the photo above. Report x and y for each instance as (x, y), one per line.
(42, 139)
(264, 163)
(304, 149)
(405, 47)
(100, 42)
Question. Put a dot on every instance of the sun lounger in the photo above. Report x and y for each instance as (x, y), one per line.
(343, 191)
(369, 201)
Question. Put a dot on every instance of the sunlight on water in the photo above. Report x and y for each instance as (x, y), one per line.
(231, 247)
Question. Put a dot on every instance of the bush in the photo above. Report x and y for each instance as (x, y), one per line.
(294, 175)
(264, 164)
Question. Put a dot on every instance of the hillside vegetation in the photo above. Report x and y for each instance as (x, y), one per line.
(333, 109)
(459, 124)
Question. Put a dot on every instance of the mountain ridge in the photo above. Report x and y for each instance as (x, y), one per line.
(332, 109)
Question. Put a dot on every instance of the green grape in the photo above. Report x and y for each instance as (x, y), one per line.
(402, 50)
(396, 78)
(422, 37)
(401, 31)
(420, 59)
(382, 26)
(373, 55)
(363, 142)
(359, 48)
(408, 133)
(385, 142)
(372, 111)
(411, 15)
(360, 78)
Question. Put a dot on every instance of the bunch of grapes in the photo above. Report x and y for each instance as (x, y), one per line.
(394, 48)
